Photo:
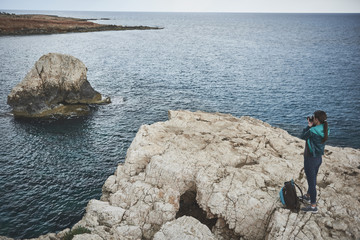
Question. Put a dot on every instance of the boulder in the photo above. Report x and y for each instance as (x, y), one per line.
(56, 85)
(185, 228)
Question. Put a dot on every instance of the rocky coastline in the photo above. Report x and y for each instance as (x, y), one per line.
(31, 24)
(214, 176)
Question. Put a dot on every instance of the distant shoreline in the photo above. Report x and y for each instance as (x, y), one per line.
(32, 24)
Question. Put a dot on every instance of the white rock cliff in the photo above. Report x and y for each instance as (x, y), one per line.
(213, 176)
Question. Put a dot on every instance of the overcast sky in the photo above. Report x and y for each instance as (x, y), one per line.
(320, 6)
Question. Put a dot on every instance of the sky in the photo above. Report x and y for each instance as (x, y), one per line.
(288, 6)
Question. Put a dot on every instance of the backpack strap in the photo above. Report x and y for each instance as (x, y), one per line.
(299, 189)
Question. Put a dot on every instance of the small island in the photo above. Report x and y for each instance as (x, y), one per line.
(29, 24)
(56, 86)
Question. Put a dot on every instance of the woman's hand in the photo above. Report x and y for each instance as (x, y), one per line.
(310, 124)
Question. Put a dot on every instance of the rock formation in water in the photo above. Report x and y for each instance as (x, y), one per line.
(213, 176)
(56, 85)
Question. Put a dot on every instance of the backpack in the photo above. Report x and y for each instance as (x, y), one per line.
(288, 196)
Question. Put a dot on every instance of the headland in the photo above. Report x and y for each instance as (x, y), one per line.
(30, 24)
(214, 176)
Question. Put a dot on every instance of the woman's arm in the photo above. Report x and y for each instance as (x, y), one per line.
(306, 133)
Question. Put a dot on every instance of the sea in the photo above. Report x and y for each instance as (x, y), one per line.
(279, 68)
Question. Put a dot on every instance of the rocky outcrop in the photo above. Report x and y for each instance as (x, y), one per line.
(56, 85)
(226, 172)
(29, 24)
(186, 228)
(213, 176)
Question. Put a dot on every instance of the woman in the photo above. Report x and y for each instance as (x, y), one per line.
(315, 134)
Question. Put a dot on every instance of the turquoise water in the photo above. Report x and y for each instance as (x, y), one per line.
(276, 67)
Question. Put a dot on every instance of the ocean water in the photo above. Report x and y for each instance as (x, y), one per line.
(279, 68)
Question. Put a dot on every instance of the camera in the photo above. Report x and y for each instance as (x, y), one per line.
(311, 119)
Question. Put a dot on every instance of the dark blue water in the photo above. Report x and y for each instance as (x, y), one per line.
(276, 67)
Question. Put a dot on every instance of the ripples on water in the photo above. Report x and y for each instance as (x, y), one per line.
(275, 67)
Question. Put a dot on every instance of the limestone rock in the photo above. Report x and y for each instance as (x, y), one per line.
(184, 228)
(86, 236)
(62, 233)
(5, 238)
(57, 84)
(101, 213)
(126, 232)
(226, 172)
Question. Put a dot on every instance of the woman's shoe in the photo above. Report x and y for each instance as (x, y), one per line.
(305, 199)
(310, 209)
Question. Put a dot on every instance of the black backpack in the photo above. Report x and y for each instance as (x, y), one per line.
(288, 196)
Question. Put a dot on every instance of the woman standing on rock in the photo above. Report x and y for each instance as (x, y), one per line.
(315, 134)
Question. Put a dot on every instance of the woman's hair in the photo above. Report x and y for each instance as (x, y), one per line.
(321, 116)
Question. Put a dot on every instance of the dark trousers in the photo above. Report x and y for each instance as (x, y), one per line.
(311, 167)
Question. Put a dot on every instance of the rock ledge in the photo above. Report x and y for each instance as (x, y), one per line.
(213, 176)
(226, 172)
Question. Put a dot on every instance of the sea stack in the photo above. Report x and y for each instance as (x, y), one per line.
(56, 85)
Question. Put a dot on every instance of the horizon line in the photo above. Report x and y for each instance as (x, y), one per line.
(133, 11)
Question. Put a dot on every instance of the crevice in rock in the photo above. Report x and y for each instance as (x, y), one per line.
(276, 152)
(65, 103)
(189, 207)
(301, 227)
(351, 173)
(202, 120)
(323, 184)
(246, 162)
(240, 165)
(327, 152)
(222, 231)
